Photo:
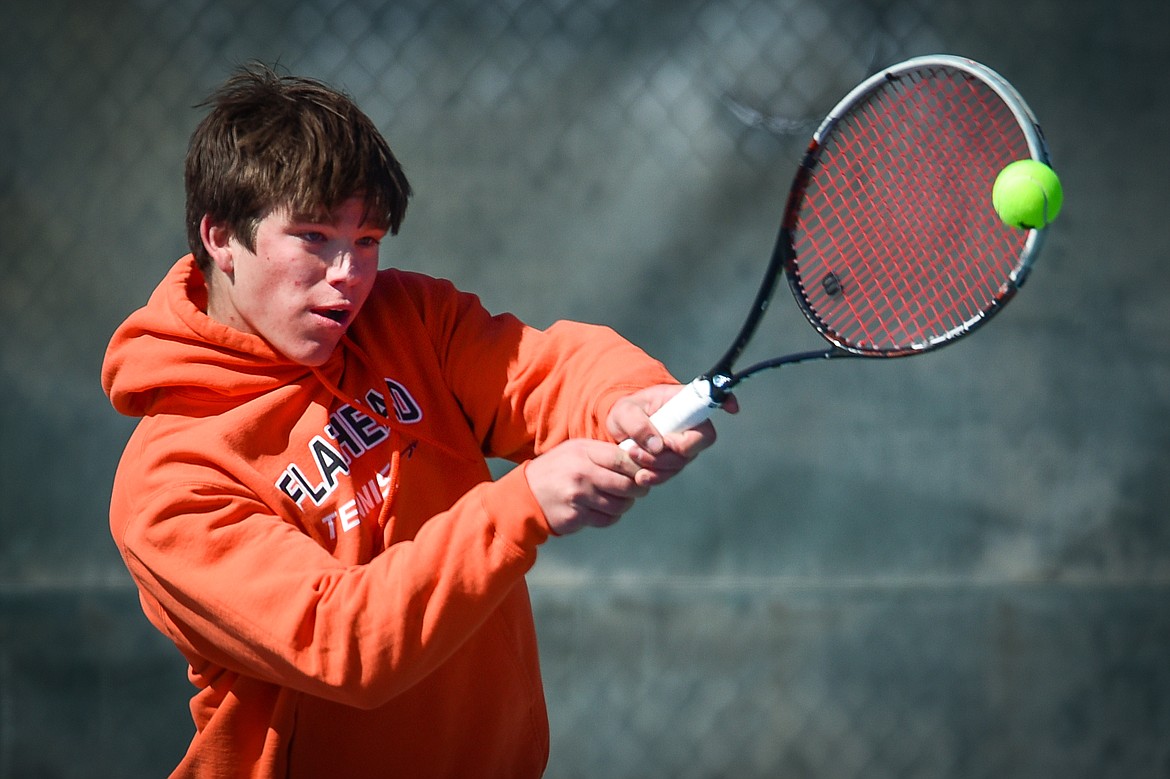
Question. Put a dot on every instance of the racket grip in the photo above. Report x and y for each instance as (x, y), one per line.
(691, 406)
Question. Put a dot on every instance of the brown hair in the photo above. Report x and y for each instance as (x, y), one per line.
(273, 141)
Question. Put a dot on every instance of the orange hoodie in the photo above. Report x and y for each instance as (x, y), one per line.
(326, 546)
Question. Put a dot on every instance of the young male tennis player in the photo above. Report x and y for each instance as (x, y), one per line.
(305, 505)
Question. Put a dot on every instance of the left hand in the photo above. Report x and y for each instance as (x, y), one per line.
(659, 456)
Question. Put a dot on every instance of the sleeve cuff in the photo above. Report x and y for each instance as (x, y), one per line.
(513, 508)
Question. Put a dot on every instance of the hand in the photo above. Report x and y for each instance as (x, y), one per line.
(584, 483)
(659, 456)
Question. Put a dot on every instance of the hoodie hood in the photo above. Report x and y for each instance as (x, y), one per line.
(171, 344)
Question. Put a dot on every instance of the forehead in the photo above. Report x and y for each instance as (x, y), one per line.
(352, 211)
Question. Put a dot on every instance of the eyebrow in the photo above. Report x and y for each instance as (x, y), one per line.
(318, 216)
(327, 219)
(322, 216)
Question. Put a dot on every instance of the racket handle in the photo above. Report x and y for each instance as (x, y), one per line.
(691, 406)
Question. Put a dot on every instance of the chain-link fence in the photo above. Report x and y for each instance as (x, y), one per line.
(840, 594)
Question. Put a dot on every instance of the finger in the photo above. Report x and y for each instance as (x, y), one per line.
(605, 508)
(730, 404)
(642, 435)
(605, 486)
(689, 443)
(612, 458)
(606, 501)
(680, 450)
(629, 420)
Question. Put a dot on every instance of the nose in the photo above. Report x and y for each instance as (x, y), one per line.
(342, 270)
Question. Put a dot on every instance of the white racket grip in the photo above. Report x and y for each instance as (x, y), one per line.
(691, 406)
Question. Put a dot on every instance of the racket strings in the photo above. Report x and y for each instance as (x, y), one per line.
(917, 296)
(903, 247)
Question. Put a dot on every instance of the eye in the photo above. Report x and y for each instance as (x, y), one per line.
(311, 236)
(369, 242)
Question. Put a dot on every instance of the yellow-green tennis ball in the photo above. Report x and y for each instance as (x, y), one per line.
(1027, 194)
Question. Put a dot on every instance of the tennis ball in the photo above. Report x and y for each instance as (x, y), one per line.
(1027, 194)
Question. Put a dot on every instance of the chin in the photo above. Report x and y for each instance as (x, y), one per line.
(314, 361)
(312, 355)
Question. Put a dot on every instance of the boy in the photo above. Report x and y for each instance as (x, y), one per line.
(305, 505)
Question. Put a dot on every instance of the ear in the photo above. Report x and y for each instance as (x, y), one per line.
(217, 240)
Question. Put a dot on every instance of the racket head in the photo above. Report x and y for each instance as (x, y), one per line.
(889, 240)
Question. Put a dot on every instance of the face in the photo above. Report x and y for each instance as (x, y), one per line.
(302, 286)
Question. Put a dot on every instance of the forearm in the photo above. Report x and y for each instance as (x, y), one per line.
(261, 599)
(560, 384)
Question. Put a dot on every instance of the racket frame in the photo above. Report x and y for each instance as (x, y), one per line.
(722, 377)
(698, 400)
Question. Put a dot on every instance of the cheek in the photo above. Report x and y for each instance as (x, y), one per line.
(369, 279)
(261, 287)
(279, 277)
(366, 276)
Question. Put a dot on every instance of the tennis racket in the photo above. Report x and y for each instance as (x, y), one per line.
(889, 240)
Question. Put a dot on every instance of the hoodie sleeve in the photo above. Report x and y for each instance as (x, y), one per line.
(525, 390)
(239, 588)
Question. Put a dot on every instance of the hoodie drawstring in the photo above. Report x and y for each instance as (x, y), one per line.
(383, 419)
(392, 490)
(391, 425)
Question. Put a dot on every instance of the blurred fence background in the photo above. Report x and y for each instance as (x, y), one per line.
(950, 567)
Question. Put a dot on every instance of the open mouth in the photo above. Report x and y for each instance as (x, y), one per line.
(338, 315)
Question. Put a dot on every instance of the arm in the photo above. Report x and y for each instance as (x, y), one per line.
(235, 585)
(567, 395)
(524, 390)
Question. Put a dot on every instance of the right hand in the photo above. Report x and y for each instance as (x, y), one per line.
(584, 483)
